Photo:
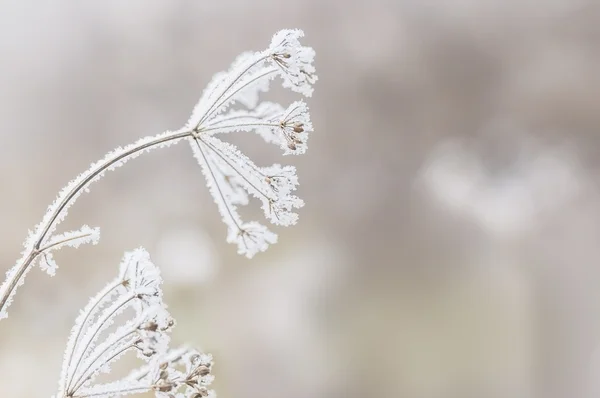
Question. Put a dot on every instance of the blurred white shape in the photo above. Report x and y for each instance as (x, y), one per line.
(186, 255)
(505, 203)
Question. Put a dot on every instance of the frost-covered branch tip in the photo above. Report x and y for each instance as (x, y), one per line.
(91, 349)
(231, 176)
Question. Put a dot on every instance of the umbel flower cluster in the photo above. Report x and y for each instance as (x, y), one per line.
(231, 176)
(230, 103)
(93, 346)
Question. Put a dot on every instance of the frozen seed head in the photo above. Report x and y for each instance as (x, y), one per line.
(294, 127)
(294, 61)
(231, 176)
(188, 375)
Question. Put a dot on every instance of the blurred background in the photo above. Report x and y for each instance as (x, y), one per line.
(449, 244)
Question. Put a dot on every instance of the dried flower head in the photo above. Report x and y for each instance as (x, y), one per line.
(230, 174)
(88, 354)
(91, 349)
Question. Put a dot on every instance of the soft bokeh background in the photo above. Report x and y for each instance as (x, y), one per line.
(450, 242)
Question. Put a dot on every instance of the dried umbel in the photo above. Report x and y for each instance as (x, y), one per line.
(98, 338)
(91, 350)
(189, 374)
(231, 177)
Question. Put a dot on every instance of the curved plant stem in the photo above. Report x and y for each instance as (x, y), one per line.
(13, 278)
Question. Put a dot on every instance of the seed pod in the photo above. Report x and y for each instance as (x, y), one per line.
(203, 371)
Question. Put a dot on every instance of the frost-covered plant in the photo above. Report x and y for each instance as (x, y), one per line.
(91, 349)
(231, 178)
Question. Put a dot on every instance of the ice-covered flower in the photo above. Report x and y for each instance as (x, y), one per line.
(232, 176)
(91, 352)
(293, 128)
(294, 61)
(183, 372)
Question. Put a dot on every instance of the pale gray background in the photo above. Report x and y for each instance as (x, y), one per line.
(449, 244)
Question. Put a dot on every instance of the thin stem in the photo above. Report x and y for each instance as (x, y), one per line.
(238, 89)
(12, 280)
(234, 168)
(100, 170)
(140, 389)
(210, 110)
(217, 183)
(101, 323)
(60, 242)
(257, 124)
(215, 123)
(85, 319)
(102, 352)
(90, 371)
(170, 358)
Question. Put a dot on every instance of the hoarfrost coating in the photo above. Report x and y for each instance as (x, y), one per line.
(230, 175)
(89, 354)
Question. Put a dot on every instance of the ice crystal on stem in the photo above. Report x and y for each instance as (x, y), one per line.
(294, 61)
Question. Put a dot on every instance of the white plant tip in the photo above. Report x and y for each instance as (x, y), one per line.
(91, 350)
(231, 176)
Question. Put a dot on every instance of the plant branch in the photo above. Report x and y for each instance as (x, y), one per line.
(60, 242)
(15, 275)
